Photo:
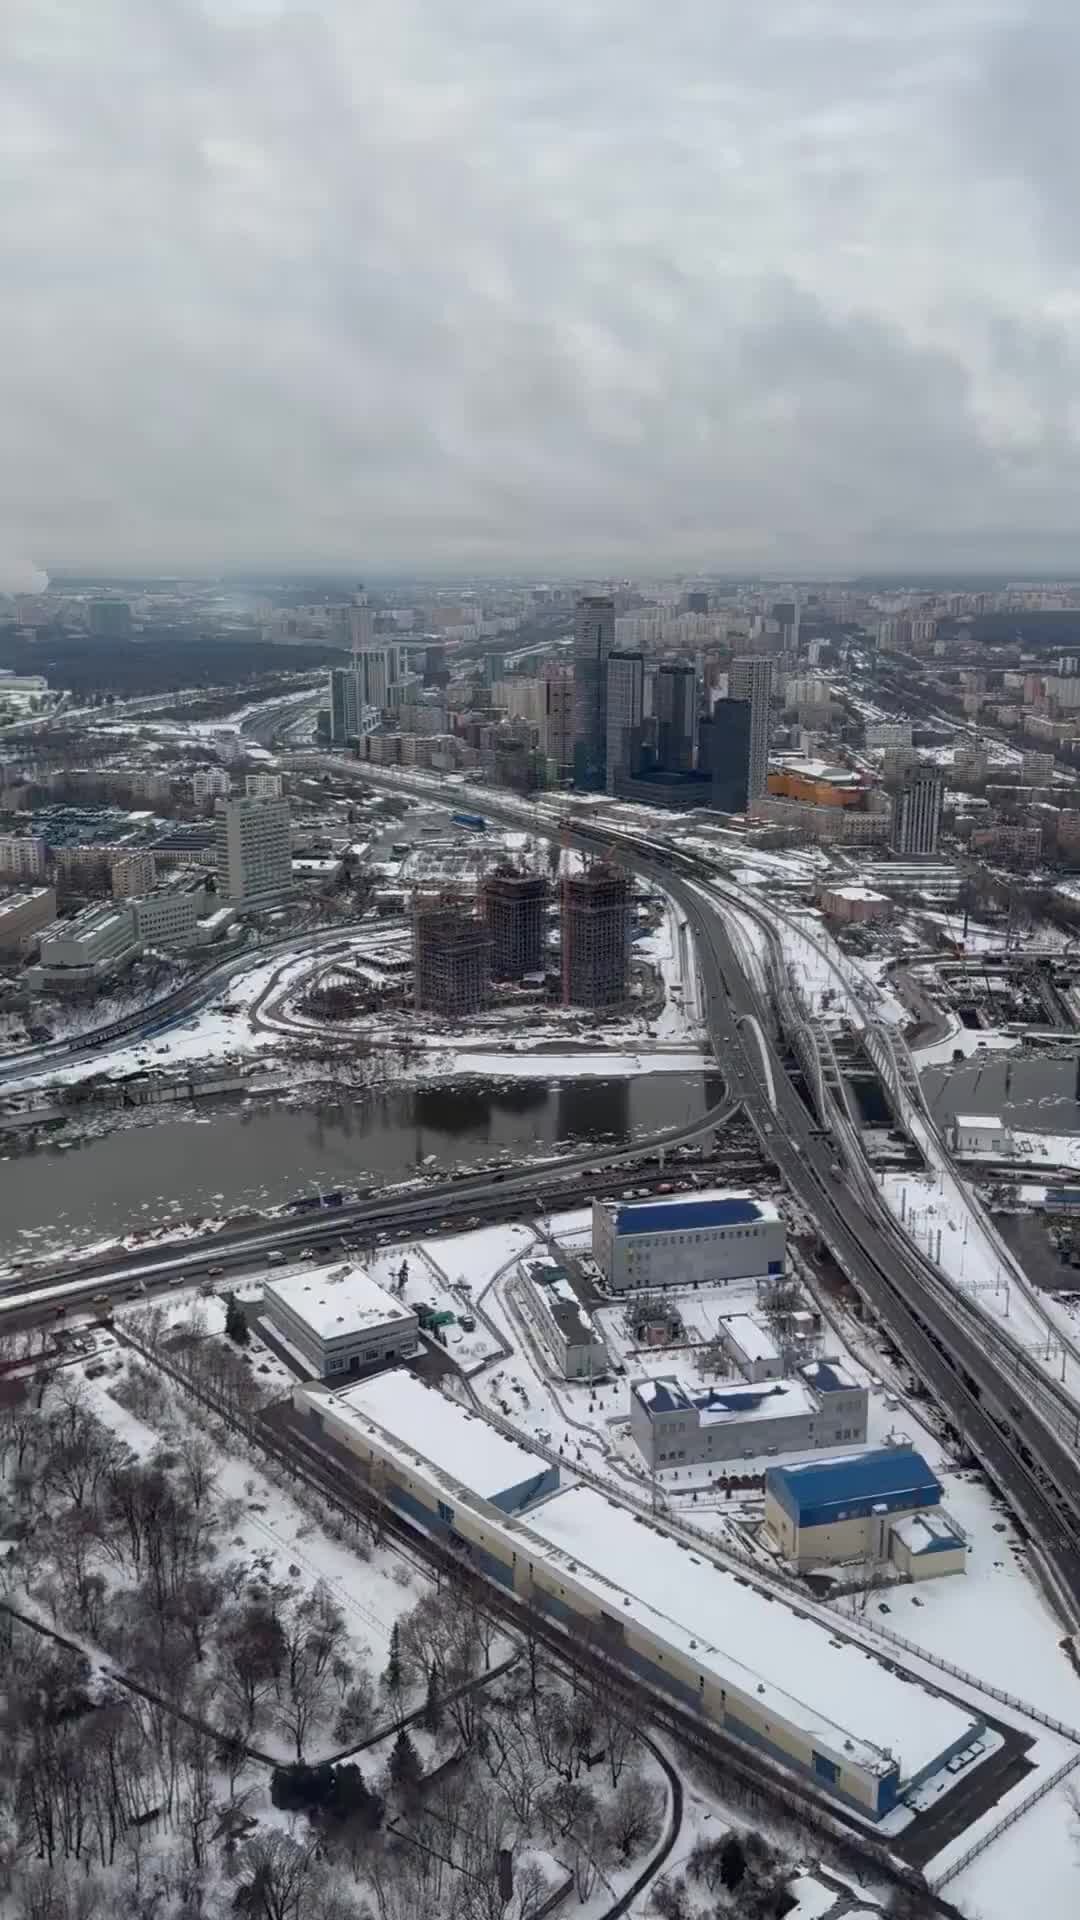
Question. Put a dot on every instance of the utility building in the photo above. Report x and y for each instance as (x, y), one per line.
(596, 937)
(677, 1425)
(515, 913)
(451, 959)
(879, 1506)
(678, 1243)
(338, 1319)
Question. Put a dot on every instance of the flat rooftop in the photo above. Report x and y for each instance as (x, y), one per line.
(755, 1341)
(424, 1426)
(837, 1691)
(690, 1216)
(987, 1123)
(336, 1301)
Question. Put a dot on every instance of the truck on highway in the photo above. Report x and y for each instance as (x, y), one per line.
(475, 821)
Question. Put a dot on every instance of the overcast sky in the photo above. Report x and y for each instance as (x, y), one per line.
(573, 285)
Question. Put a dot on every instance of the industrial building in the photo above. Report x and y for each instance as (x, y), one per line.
(764, 1671)
(418, 1446)
(22, 915)
(515, 914)
(253, 849)
(451, 958)
(676, 1425)
(679, 1243)
(875, 1507)
(596, 937)
(568, 1331)
(338, 1319)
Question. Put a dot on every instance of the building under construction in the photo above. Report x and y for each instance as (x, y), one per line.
(451, 958)
(596, 937)
(515, 913)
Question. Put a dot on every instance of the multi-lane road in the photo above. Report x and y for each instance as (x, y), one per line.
(1023, 1444)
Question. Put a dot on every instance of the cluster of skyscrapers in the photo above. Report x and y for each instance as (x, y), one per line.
(642, 735)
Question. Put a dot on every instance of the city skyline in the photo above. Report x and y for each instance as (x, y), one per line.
(586, 291)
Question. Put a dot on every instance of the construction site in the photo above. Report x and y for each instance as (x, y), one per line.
(451, 957)
(596, 937)
(515, 913)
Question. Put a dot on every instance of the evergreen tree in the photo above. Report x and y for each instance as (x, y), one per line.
(236, 1326)
(392, 1676)
(405, 1769)
(431, 1717)
(732, 1862)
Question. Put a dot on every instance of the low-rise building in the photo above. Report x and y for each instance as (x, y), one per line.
(677, 1425)
(854, 904)
(678, 1243)
(568, 1331)
(22, 915)
(339, 1320)
(751, 1347)
(875, 1507)
(89, 947)
(410, 1441)
(979, 1133)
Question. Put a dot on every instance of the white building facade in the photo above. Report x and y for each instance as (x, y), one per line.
(253, 849)
(339, 1320)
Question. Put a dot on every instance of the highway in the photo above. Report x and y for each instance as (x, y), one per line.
(946, 1339)
(1027, 1447)
(887, 1273)
(468, 1199)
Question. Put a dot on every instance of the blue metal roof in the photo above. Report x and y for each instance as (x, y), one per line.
(892, 1474)
(679, 1216)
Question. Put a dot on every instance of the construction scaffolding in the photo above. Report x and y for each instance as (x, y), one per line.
(596, 937)
(451, 957)
(515, 913)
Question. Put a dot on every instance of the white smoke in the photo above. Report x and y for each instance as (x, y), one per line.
(19, 575)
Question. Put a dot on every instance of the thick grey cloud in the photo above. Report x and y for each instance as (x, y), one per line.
(483, 283)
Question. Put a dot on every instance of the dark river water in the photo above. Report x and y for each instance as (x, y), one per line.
(223, 1160)
(1041, 1095)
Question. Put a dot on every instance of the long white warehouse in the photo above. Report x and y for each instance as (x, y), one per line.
(765, 1671)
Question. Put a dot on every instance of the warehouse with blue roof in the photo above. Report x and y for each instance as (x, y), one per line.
(874, 1507)
(685, 1243)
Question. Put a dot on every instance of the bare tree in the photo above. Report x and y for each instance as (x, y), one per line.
(278, 1877)
(633, 1818)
